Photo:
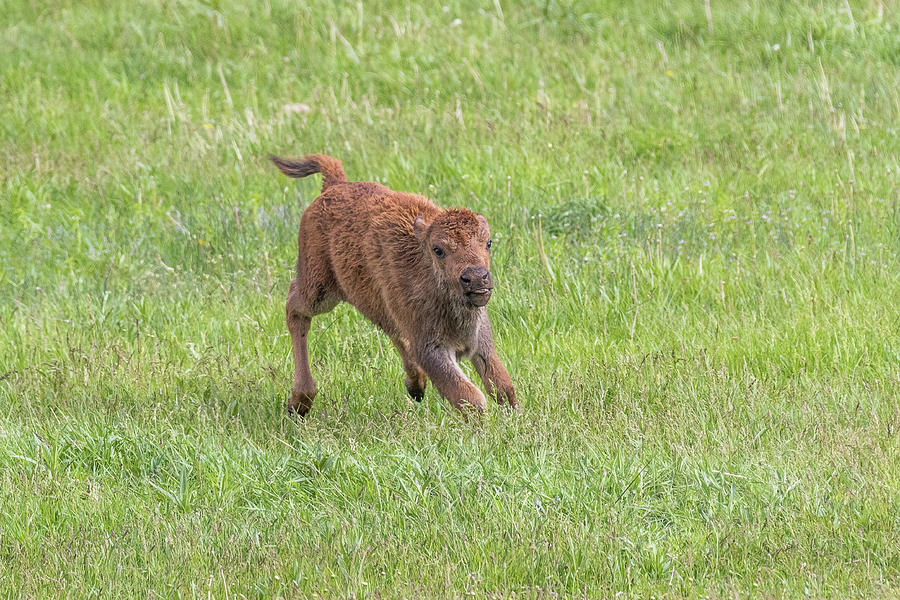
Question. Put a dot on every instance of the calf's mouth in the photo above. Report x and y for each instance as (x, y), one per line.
(479, 297)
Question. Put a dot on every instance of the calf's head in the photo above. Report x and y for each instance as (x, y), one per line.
(458, 243)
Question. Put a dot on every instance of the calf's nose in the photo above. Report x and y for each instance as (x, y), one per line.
(475, 277)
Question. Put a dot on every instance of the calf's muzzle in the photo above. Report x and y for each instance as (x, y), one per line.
(476, 284)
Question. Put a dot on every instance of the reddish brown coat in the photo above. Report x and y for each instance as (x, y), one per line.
(418, 272)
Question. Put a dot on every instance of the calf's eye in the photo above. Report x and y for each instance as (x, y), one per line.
(489, 244)
(438, 252)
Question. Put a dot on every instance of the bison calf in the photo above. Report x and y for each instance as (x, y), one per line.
(418, 272)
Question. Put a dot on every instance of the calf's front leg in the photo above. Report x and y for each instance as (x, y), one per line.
(415, 377)
(440, 366)
(493, 374)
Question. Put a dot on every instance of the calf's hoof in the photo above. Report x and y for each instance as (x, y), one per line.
(299, 405)
(474, 405)
(415, 389)
(510, 395)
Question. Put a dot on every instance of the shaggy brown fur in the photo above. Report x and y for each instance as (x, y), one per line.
(418, 272)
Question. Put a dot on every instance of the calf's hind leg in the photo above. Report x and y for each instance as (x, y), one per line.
(302, 305)
(298, 321)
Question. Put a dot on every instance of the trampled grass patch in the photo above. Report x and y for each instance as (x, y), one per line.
(697, 227)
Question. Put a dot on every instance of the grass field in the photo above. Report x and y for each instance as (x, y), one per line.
(697, 227)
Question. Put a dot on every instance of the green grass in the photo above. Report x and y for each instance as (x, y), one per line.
(697, 231)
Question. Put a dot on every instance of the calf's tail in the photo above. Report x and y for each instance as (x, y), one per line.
(331, 169)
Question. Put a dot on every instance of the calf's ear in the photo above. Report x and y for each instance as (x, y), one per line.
(482, 225)
(420, 228)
